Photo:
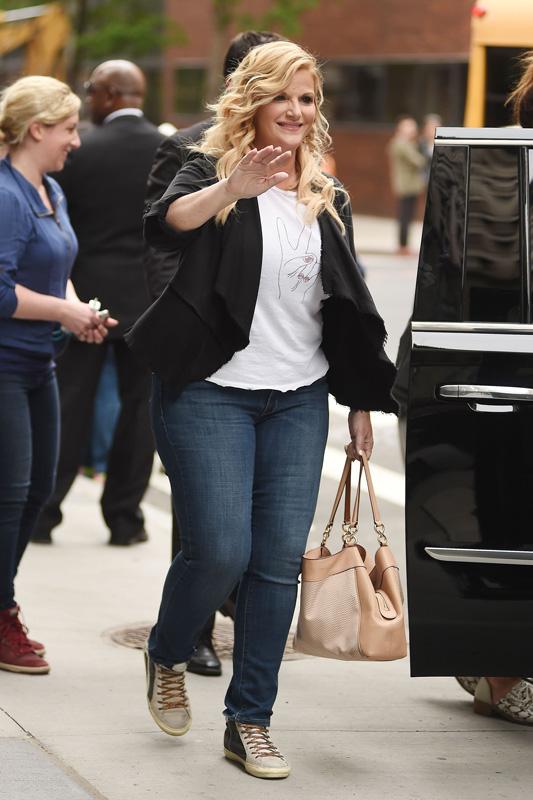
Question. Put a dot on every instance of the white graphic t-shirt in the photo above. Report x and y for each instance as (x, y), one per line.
(286, 334)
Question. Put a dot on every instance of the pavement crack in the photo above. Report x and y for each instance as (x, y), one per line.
(17, 723)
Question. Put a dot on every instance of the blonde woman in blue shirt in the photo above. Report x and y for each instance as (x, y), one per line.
(38, 126)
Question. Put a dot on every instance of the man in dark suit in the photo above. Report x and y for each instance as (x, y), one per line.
(160, 266)
(104, 184)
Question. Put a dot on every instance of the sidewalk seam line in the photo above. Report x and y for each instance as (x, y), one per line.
(8, 715)
(67, 770)
(70, 772)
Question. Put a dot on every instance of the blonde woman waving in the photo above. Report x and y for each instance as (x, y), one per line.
(265, 315)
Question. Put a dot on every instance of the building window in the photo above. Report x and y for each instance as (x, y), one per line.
(377, 93)
(189, 90)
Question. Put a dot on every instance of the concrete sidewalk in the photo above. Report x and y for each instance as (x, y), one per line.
(350, 730)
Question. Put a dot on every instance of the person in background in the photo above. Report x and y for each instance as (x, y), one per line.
(407, 166)
(426, 142)
(38, 126)
(265, 314)
(105, 183)
(171, 155)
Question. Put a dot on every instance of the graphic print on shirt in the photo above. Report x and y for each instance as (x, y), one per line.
(299, 269)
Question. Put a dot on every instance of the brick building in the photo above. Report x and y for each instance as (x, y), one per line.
(381, 58)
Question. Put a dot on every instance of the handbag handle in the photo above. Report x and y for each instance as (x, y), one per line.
(345, 485)
(379, 527)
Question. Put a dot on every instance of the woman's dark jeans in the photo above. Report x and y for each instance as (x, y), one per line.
(245, 468)
(29, 441)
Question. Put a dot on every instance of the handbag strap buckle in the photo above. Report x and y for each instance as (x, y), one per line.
(380, 531)
(349, 536)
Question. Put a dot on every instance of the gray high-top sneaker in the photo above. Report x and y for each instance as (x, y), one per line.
(252, 747)
(167, 697)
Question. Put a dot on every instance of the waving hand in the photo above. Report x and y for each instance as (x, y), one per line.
(258, 171)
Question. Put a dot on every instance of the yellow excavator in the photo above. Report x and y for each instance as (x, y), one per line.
(42, 32)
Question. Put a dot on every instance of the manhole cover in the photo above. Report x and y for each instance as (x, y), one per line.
(135, 636)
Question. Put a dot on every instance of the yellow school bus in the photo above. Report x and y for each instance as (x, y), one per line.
(502, 30)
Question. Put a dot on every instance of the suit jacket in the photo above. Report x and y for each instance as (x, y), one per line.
(171, 155)
(105, 184)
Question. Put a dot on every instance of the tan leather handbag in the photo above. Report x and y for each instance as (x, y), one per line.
(351, 607)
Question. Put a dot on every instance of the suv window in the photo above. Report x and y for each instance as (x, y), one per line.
(470, 266)
(439, 284)
(492, 274)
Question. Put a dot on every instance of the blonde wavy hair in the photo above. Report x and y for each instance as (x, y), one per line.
(35, 98)
(521, 98)
(265, 72)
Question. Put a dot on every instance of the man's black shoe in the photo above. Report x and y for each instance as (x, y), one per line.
(205, 660)
(227, 609)
(124, 540)
(41, 537)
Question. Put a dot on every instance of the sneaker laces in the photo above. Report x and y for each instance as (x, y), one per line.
(258, 740)
(171, 689)
(14, 632)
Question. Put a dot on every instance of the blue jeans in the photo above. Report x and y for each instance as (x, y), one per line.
(245, 468)
(29, 442)
(105, 416)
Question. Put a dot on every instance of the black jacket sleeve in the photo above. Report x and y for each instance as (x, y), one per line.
(159, 267)
(198, 172)
(169, 159)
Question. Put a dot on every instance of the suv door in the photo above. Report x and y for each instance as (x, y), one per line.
(469, 449)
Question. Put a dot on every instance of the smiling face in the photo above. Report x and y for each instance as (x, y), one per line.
(287, 119)
(57, 141)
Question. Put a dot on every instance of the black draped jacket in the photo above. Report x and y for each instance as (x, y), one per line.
(205, 313)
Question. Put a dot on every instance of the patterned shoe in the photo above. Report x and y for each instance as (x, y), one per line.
(167, 697)
(252, 747)
(515, 706)
(468, 684)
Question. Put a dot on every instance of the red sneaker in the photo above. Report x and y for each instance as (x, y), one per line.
(17, 653)
(19, 620)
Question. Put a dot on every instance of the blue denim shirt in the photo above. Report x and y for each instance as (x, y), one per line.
(37, 250)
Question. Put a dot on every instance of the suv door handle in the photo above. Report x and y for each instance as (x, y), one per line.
(468, 391)
(462, 555)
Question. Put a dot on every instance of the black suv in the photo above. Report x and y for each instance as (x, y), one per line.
(469, 450)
